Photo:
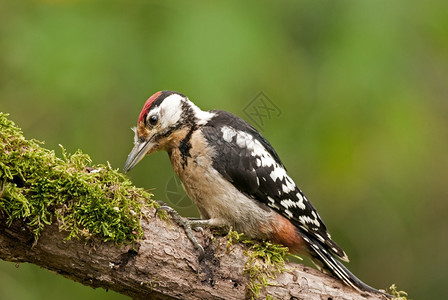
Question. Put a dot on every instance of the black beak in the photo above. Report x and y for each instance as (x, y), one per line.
(137, 153)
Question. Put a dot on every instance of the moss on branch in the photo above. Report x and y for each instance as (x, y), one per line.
(40, 188)
(265, 260)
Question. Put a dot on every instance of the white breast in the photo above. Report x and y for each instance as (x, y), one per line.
(220, 202)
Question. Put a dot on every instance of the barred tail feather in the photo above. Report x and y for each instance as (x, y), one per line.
(334, 266)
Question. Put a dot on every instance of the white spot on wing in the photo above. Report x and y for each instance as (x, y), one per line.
(300, 204)
(289, 213)
(308, 220)
(258, 148)
(267, 160)
(289, 186)
(228, 133)
(288, 203)
(277, 173)
(245, 140)
(241, 140)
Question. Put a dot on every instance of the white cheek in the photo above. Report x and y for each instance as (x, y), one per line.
(171, 118)
(170, 110)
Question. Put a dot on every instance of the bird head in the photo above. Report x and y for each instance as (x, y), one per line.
(161, 114)
(165, 117)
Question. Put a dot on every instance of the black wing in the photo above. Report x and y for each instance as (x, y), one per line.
(251, 164)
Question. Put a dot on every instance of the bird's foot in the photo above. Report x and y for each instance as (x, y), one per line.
(194, 226)
(187, 225)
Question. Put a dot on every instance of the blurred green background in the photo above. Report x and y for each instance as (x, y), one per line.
(362, 88)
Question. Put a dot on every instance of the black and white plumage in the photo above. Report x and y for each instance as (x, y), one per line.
(235, 177)
(249, 161)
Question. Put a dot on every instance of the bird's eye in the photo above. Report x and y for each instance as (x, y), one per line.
(153, 120)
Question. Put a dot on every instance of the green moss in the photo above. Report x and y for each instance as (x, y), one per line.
(40, 188)
(398, 295)
(265, 261)
(233, 237)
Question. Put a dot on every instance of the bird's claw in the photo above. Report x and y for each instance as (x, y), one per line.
(187, 225)
(194, 226)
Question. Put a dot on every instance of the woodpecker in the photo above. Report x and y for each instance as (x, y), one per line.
(236, 179)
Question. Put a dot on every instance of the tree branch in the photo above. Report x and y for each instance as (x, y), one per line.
(161, 263)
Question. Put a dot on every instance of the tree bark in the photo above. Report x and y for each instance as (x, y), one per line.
(163, 265)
